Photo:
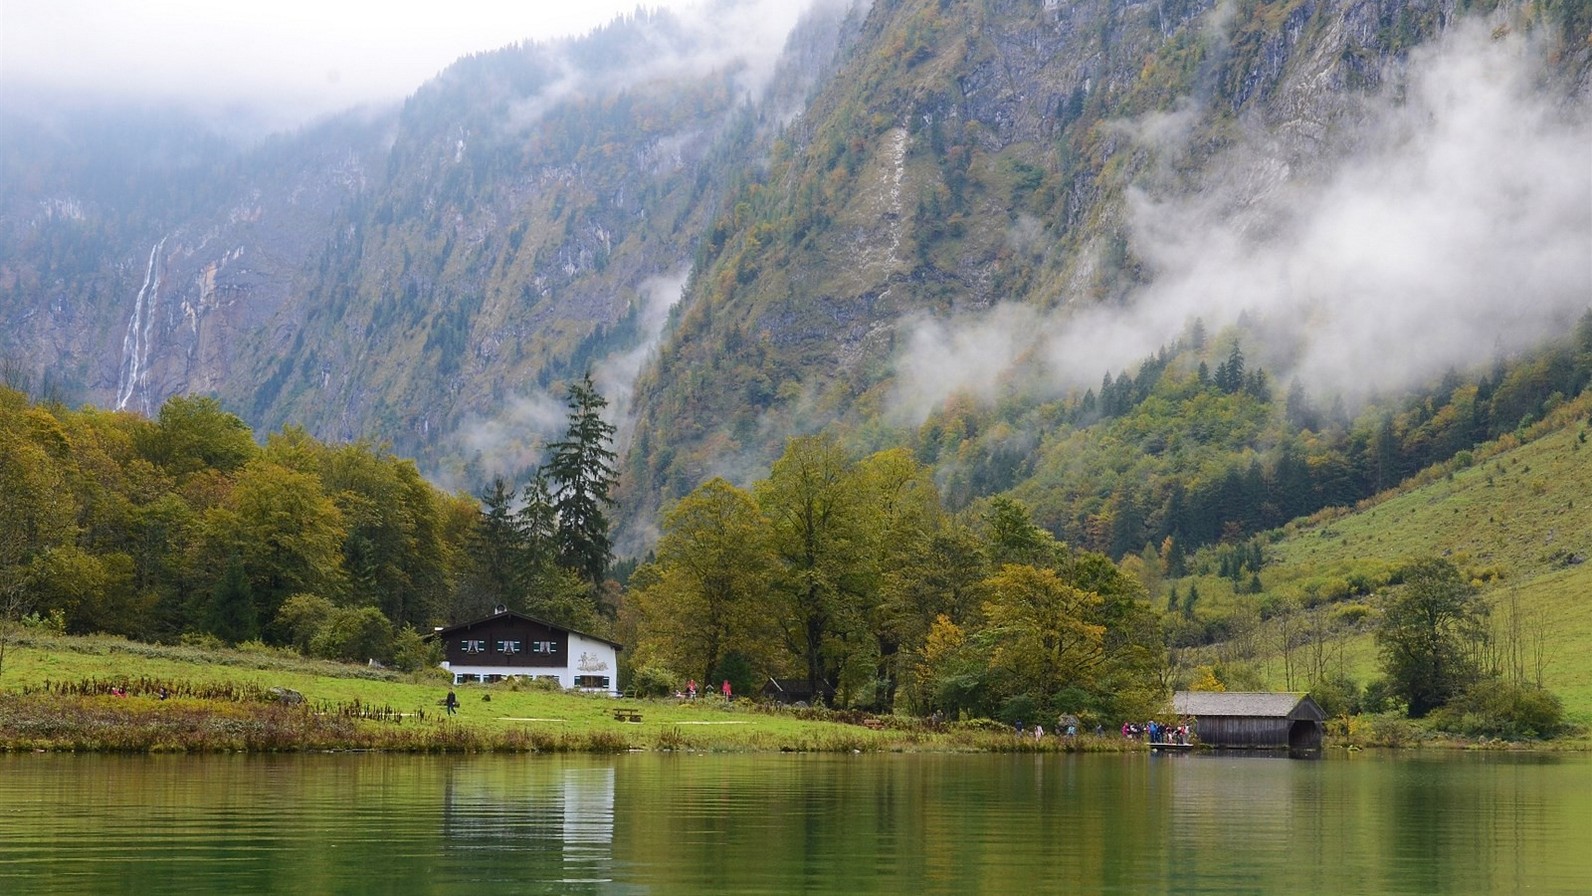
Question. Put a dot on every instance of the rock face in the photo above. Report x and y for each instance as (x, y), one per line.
(386, 275)
(418, 276)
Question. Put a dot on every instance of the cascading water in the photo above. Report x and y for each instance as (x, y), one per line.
(135, 345)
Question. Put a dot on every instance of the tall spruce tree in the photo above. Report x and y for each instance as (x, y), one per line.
(496, 544)
(581, 473)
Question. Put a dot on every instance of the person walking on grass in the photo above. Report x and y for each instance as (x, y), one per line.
(452, 703)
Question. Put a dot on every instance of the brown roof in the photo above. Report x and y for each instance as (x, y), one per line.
(448, 630)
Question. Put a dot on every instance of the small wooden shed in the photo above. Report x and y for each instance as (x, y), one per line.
(1254, 721)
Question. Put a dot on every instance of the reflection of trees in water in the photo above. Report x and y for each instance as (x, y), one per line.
(531, 822)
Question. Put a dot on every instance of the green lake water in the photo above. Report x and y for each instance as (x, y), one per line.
(779, 824)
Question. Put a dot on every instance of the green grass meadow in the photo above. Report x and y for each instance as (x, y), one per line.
(1518, 521)
(55, 693)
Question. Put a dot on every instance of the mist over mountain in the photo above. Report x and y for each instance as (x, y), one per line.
(1447, 218)
(769, 219)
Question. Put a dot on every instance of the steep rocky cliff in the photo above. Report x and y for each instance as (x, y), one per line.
(843, 239)
(981, 179)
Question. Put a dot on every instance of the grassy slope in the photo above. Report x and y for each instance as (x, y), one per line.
(1511, 520)
(513, 719)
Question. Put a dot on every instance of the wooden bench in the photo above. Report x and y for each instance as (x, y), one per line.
(627, 715)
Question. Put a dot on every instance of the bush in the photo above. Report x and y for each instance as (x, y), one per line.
(53, 622)
(1497, 708)
(1020, 708)
(1378, 697)
(203, 641)
(1337, 696)
(353, 636)
(1352, 615)
(411, 652)
(1389, 730)
(653, 680)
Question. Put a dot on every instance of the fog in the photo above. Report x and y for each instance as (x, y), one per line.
(281, 63)
(745, 37)
(1452, 224)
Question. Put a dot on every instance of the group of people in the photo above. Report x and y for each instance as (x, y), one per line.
(1156, 733)
(691, 690)
(1063, 729)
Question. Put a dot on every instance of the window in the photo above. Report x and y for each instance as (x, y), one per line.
(591, 681)
(508, 647)
(471, 646)
(543, 647)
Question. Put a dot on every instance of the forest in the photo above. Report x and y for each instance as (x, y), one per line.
(905, 579)
(185, 528)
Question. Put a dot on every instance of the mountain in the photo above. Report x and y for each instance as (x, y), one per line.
(409, 275)
(925, 222)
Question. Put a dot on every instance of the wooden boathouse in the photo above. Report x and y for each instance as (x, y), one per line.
(1254, 721)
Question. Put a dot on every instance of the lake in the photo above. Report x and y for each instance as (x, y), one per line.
(843, 824)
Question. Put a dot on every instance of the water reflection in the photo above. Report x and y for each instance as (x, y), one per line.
(692, 824)
(556, 818)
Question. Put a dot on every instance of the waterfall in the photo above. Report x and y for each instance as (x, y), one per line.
(135, 345)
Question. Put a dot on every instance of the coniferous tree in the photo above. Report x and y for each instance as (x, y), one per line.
(497, 544)
(1230, 373)
(581, 473)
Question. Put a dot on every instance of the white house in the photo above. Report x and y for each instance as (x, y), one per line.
(508, 644)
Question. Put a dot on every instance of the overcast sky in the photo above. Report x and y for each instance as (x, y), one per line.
(308, 57)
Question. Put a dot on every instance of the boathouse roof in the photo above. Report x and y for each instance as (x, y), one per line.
(1249, 704)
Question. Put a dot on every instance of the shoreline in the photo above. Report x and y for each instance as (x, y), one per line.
(100, 694)
(36, 722)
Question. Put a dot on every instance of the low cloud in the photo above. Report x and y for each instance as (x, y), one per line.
(743, 38)
(1459, 226)
(615, 375)
(512, 441)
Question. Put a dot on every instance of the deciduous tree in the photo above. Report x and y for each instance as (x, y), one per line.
(1044, 638)
(825, 577)
(1429, 633)
(707, 591)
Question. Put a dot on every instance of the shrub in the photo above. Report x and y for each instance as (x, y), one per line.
(653, 680)
(1497, 708)
(54, 622)
(353, 635)
(1392, 730)
(1337, 696)
(1020, 708)
(1377, 697)
(202, 641)
(1352, 615)
(411, 652)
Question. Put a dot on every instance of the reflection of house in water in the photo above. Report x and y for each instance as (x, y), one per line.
(557, 816)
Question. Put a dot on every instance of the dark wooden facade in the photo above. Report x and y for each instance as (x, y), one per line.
(1254, 721)
(506, 639)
